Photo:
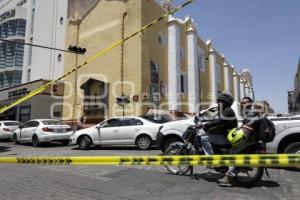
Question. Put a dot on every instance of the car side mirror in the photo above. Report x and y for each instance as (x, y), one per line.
(20, 127)
(98, 127)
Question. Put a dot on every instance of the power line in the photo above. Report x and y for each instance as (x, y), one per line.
(39, 46)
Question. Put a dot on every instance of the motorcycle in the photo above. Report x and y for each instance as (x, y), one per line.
(246, 176)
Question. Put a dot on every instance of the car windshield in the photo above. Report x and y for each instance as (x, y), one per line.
(12, 124)
(53, 122)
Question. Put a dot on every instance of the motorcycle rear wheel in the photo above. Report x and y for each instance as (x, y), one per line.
(178, 150)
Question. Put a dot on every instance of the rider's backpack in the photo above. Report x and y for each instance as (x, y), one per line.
(267, 130)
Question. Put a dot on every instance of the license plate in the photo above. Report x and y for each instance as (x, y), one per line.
(59, 130)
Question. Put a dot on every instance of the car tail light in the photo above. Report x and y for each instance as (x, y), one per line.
(46, 129)
(6, 130)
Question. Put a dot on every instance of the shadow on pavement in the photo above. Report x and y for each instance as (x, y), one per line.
(210, 177)
(213, 177)
(45, 145)
(116, 148)
(293, 169)
(5, 140)
(4, 149)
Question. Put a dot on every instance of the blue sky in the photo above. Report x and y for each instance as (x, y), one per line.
(263, 35)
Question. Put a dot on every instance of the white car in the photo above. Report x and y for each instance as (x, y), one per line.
(287, 139)
(43, 131)
(118, 131)
(7, 128)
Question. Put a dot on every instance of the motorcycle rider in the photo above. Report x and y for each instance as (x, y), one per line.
(218, 128)
(243, 138)
(246, 106)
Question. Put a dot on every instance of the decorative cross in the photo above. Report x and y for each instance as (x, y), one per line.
(167, 5)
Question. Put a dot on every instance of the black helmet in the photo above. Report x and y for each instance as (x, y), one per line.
(226, 99)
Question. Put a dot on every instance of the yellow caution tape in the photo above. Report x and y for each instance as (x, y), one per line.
(93, 58)
(267, 160)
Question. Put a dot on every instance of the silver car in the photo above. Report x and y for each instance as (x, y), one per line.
(43, 131)
(118, 131)
(7, 128)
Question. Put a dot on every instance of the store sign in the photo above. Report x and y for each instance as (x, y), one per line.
(8, 14)
(18, 93)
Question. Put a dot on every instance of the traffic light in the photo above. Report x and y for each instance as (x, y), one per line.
(123, 100)
(78, 50)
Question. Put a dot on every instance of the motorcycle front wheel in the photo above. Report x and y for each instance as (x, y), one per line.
(249, 177)
(175, 150)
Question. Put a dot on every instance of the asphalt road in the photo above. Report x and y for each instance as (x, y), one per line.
(120, 182)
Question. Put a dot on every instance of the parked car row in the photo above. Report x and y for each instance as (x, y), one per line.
(121, 131)
(138, 131)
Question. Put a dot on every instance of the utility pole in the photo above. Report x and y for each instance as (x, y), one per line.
(122, 59)
(77, 23)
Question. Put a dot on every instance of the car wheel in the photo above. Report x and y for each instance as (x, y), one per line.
(168, 143)
(66, 143)
(35, 141)
(293, 148)
(15, 138)
(144, 142)
(84, 143)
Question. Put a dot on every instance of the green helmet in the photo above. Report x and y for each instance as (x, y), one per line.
(236, 137)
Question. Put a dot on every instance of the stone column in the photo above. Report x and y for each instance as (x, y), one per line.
(242, 88)
(247, 90)
(213, 73)
(227, 85)
(174, 98)
(236, 87)
(193, 71)
(252, 94)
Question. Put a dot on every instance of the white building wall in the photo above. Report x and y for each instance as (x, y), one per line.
(242, 89)
(247, 91)
(193, 72)
(7, 4)
(236, 87)
(227, 82)
(174, 66)
(48, 31)
(11, 66)
(214, 72)
(251, 95)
